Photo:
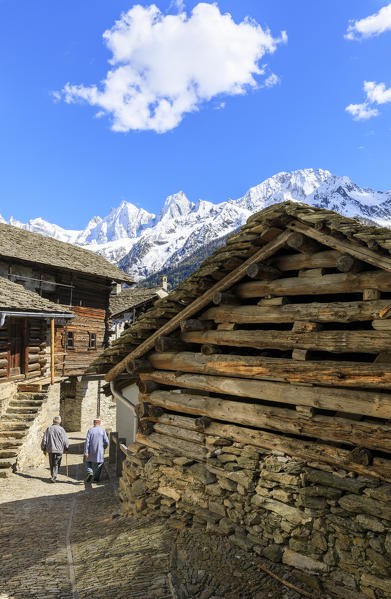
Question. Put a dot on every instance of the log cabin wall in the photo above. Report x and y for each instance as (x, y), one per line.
(80, 341)
(85, 295)
(266, 417)
(29, 359)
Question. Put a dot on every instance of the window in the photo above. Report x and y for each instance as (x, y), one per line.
(69, 340)
(91, 340)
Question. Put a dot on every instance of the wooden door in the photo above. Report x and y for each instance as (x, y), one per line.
(16, 335)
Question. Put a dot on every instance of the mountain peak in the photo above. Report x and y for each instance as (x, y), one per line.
(176, 206)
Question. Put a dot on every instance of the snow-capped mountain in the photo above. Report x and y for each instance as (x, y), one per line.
(142, 243)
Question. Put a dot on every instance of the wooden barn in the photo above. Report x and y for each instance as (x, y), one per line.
(265, 397)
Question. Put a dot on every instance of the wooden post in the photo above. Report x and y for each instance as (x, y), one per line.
(120, 456)
(52, 351)
(112, 447)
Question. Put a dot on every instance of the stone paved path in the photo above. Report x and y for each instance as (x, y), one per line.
(68, 541)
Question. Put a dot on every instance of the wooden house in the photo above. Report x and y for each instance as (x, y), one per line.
(54, 315)
(265, 397)
(126, 305)
(24, 323)
(69, 276)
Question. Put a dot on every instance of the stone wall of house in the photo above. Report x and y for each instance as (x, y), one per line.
(30, 454)
(7, 393)
(81, 401)
(334, 528)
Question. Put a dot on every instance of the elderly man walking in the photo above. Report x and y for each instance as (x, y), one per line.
(55, 442)
(96, 443)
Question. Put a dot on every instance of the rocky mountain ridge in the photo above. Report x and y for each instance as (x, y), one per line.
(142, 243)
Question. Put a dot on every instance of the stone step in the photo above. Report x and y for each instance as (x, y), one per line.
(15, 417)
(14, 426)
(7, 453)
(24, 403)
(13, 435)
(12, 410)
(9, 443)
(34, 395)
(4, 473)
(6, 463)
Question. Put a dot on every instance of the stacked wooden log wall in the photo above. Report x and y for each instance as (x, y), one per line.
(36, 354)
(290, 369)
(35, 357)
(75, 360)
(298, 350)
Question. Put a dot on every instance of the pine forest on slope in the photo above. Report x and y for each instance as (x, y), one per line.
(185, 232)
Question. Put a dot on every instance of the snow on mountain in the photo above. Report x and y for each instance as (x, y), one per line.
(124, 222)
(141, 243)
(38, 225)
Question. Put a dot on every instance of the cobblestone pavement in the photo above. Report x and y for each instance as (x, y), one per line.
(68, 541)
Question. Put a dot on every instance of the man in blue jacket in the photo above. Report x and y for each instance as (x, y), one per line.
(94, 449)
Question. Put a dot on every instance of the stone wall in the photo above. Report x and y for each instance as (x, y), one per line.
(7, 393)
(30, 454)
(82, 401)
(333, 528)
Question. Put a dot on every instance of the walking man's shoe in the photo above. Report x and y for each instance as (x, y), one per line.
(89, 478)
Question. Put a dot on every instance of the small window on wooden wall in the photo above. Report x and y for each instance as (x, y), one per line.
(91, 340)
(69, 340)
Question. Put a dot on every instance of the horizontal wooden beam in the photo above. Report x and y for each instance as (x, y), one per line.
(332, 373)
(315, 311)
(307, 450)
(198, 304)
(371, 435)
(339, 342)
(367, 403)
(304, 449)
(333, 283)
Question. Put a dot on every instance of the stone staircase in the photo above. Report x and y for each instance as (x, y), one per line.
(14, 426)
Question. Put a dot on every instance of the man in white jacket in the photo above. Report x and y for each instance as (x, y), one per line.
(55, 442)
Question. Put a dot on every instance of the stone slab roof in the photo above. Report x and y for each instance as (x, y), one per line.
(35, 248)
(15, 297)
(240, 245)
(131, 298)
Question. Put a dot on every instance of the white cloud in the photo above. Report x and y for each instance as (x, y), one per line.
(361, 112)
(376, 93)
(370, 26)
(272, 80)
(164, 66)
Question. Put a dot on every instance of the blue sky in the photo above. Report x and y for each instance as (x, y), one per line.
(60, 162)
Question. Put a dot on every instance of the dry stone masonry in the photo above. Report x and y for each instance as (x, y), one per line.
(333, 528)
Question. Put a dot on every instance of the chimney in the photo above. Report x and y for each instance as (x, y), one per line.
(163, 282)
(116, 289)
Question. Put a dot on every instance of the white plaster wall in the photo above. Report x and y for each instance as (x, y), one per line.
(125, 418)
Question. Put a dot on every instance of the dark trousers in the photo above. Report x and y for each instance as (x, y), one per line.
(97, 466)
(55, 463)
